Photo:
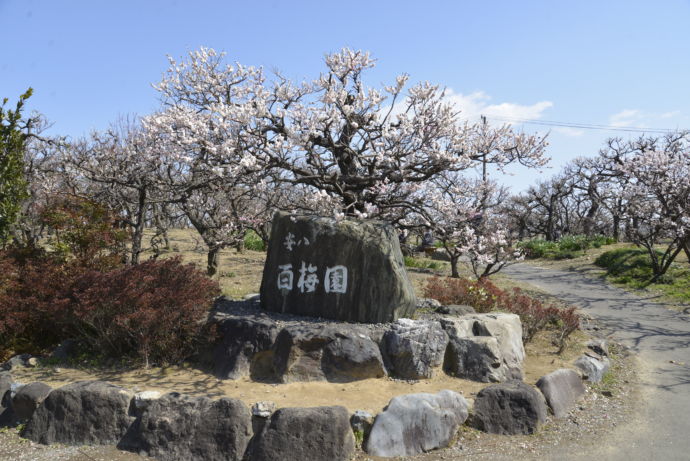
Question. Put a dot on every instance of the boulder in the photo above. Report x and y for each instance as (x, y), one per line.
(477, 358)
(301, 434)
(298, 352)
(178, 427)
(82, 413)
(413, 349)
(314, 352)
(416, 423)
(20, 361)
(245, 348)
(599, 346)
(352, 358)
(28, 399)
(509, 408)
(428, 304)
(6, 384)
(562, 389)
(593, 366)
(456, 309)
(346, 269)
(506, 328)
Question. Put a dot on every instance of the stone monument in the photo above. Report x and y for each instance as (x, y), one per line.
(348, 269)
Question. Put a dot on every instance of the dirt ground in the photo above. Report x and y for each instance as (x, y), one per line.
(370, 395)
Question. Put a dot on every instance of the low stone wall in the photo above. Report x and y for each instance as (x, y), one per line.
(181, 427)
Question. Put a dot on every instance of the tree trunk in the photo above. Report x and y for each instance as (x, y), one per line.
(212, 261)
(616, 228)
(686, 248)
(454, 267)
(589, 219)
(139, 227)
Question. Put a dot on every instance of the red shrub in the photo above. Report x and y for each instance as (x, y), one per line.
(84, 232)
(35, 293)
(484, 296)
(567, 322)
(480, 294)
(153, 310)
(533, 314)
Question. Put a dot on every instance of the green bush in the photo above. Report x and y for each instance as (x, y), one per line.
(253, 242)
(568, 247)
(421, 264)
(538, 248)
(630, 266)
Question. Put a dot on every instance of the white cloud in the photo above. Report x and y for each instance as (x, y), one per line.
(626, 117)
(475, 104)
(567, 131)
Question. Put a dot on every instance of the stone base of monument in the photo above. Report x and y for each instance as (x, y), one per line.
(283, 348)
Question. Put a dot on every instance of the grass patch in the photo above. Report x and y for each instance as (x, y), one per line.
(632, 268)
(253, 242)
(568, 247)
(422, 264)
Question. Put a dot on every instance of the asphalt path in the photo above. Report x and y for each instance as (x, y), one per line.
(661, 339)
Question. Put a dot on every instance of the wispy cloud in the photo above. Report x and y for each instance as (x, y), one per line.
(626, 117)
(476, 104)
(640, 118)
(568, 131)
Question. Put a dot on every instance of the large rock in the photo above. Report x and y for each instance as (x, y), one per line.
(346, 270)
(6, 382)
(301, 434)
(456, 309)
(416, 423)
(509, 408)
(593, 366)
(179, 427)
(477, 358)
(245, 348)
(413, 349)
(298, 352)
(320, 352)
(352, 358)
(18, 361)
(599, 346)
(562, 389)
(28, 399)
(505, 328)
(82, 413)
(6, 413)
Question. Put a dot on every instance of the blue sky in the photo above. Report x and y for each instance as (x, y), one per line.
(612, 63)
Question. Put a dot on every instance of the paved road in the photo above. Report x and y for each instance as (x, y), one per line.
(660, 336)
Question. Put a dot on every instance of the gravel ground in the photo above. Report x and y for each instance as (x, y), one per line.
(14, 448)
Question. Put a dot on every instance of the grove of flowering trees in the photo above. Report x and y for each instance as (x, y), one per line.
(638, 188)
(230, 144)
